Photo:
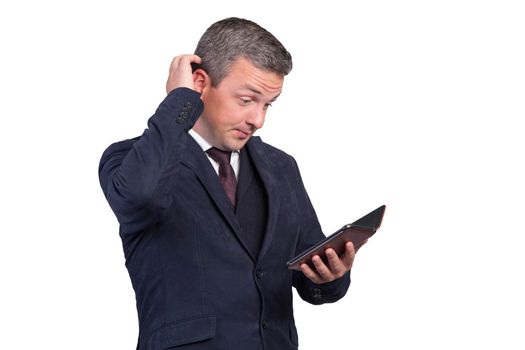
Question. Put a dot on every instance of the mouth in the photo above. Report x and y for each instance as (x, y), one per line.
(243, 134)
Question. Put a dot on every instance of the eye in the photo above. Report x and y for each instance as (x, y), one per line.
(245, 100)
(267, 105)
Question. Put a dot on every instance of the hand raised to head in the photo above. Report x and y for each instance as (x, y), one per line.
(181, 74)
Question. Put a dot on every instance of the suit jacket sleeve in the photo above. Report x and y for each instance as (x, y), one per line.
(310, 234)
(135, 174)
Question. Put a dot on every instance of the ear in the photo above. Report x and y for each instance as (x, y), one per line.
(201, 80)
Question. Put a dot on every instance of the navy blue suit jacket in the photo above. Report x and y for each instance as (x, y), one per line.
(197, 285)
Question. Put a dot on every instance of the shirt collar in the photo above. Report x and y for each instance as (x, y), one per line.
(200, 140)
(205, 145)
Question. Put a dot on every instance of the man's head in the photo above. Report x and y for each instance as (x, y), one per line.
(227, 40)
(242, 73)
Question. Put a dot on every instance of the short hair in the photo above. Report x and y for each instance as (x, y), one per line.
(229, 39)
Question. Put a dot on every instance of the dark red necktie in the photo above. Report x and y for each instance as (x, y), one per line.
(226, 173)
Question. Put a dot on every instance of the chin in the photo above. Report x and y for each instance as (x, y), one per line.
(235, 145)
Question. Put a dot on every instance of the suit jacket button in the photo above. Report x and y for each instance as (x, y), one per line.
(316, 293)
(182, 117)
(259, 274)
(264, 324)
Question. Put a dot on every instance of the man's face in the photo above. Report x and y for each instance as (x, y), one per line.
(236, 108)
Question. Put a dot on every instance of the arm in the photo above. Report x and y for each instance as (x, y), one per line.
(328, 283)
(134, 174)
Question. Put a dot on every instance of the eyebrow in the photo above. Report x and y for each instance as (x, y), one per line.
(257, 92)
(253, 90)
(275, 98)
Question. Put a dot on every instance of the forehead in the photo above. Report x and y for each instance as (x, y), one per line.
(243, 74)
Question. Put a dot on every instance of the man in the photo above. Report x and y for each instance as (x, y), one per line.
(206, 239)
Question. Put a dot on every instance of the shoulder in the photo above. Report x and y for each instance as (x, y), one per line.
(119, 147)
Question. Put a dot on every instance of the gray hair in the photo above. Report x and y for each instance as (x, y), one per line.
(233, 38)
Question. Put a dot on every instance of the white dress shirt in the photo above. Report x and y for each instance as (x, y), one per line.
(234, 159)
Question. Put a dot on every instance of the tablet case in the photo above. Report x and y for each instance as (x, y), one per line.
(357, 232)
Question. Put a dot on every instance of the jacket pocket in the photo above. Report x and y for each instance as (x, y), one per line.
(183, 332)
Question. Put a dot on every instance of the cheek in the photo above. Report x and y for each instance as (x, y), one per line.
(224, 113)
(232, 114)
(214, 111)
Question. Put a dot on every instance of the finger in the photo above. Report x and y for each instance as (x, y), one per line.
(349, 249)
(186, 60)
(195, 59)
(175, 61)
(348, 257)
(335, 263)
(322, 269)
(182, 61)
(308, 272)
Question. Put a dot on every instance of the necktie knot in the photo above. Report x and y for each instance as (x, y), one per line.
(220, 156)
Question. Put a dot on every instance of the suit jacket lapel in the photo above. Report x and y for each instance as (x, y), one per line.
(267, 174)
(198, 162)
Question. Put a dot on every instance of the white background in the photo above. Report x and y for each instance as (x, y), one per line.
(412, 104)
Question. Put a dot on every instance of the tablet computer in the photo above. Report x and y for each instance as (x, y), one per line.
(357, 232)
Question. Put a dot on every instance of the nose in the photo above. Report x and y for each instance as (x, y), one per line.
(256, 118)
